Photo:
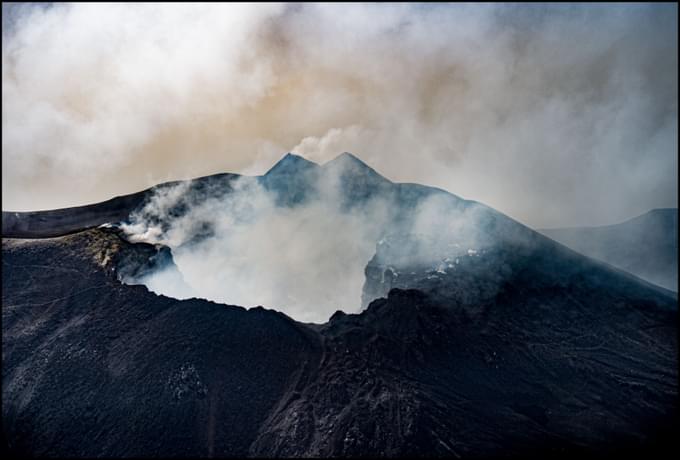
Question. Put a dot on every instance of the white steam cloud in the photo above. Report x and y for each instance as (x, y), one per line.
(307, 260)
(555, 115)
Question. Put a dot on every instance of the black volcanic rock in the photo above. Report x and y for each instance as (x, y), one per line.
(646, 246)
(522, 347)
(582, 363)
(92, 367)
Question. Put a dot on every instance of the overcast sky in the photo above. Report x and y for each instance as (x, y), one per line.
(555, 115)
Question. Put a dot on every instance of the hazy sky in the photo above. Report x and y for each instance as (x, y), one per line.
(555, 115)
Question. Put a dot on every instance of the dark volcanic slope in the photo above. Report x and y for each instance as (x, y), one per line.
(45, 224)
(580, 359)
(58, 222)
(646, 246)
(515, 345)
(92, 367)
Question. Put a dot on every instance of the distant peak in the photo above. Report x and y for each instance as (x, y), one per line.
(348, 164)
(349, 156)
(346, 158)
(291, 161)
(288, 157)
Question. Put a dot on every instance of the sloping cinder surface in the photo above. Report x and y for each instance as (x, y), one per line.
(92, 367)
(517, 346)
(576, 363)
(58, 222)
(646, 246)
(46, 224)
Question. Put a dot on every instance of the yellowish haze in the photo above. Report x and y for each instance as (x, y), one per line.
(555, 115)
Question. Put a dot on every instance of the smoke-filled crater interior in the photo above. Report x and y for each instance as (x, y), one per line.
(304, 239)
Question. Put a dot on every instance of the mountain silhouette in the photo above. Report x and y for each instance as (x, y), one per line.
(481, 339)
(646, 246)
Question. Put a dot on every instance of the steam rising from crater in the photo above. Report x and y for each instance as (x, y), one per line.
(556, 115)
(239, 245)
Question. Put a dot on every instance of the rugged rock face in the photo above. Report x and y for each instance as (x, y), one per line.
(506, 344)
(410, 376)
(92, 367)
(567, 363)
(646, 246)
(533, 345)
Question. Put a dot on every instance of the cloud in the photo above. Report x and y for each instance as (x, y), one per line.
(324, 147)
(556, 115)
(245, 246)
(254, 252)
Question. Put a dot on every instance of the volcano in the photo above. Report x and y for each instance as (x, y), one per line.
(476, 337)
(646, 245)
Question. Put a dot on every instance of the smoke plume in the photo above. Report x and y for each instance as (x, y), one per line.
(556, 115)
(240, 245)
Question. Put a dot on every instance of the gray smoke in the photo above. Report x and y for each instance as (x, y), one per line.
(557, 115)
(307, 260)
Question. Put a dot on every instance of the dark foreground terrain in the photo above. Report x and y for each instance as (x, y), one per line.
(517, 347)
